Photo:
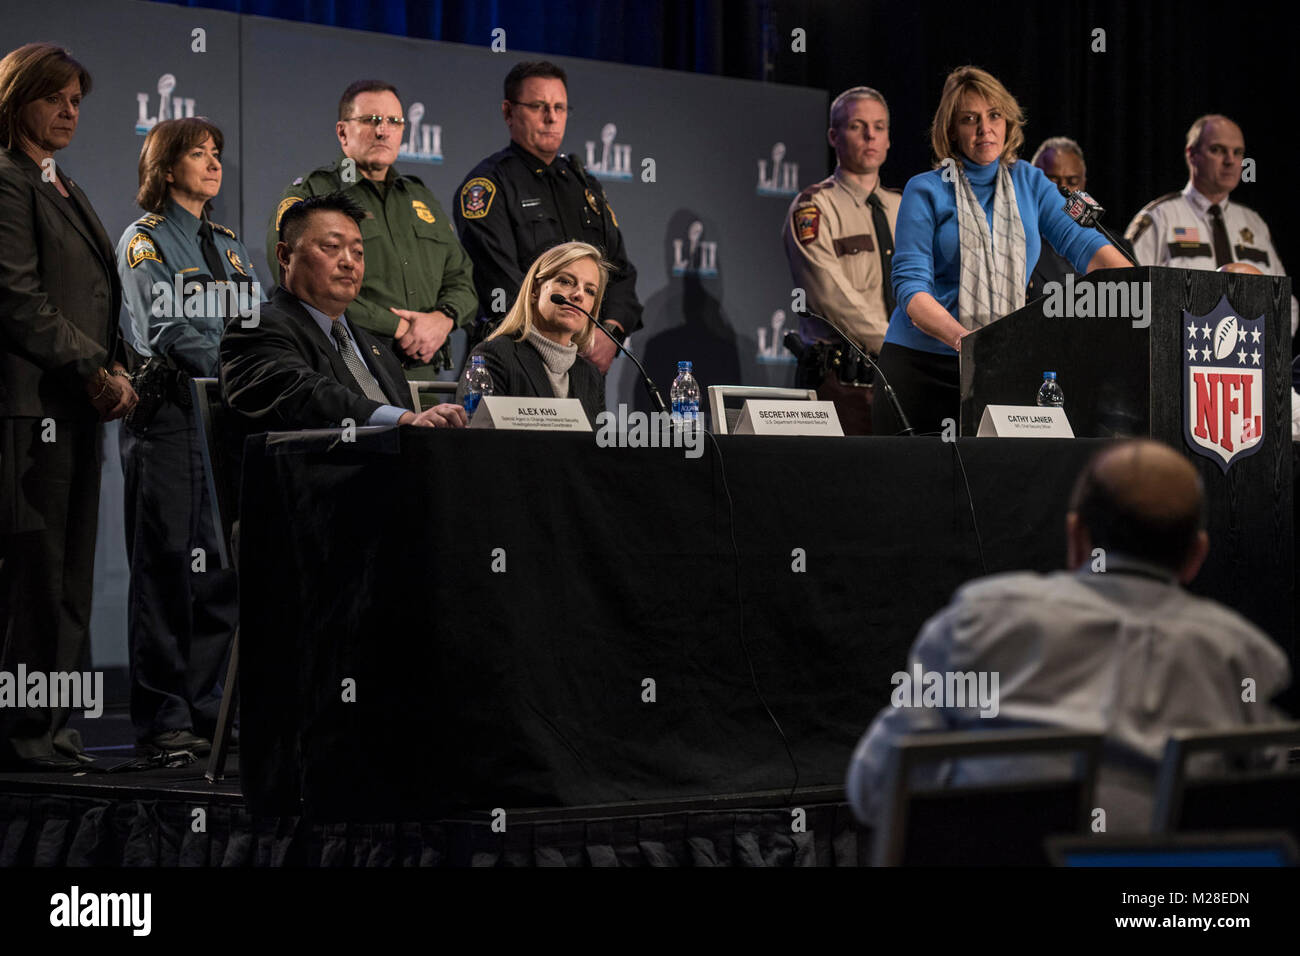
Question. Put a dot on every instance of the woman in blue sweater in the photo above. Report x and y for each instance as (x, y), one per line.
(968, 237)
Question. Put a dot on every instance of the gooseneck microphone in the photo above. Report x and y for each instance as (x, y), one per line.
(889, 389)
(650, 386)
(1087, 212)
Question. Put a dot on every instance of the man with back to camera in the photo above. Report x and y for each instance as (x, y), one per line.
(419, 282)
(304, 364)
(1114, 645)
(528, 197)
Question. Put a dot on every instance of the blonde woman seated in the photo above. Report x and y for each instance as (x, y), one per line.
(534, 352)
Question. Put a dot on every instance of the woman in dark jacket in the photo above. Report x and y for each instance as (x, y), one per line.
(61, 375)
(534, 352)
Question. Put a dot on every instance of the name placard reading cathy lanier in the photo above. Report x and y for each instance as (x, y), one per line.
(530, 414)
(776, 417)
(1024, 421)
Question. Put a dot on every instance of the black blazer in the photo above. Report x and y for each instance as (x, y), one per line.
(59, 295)
(517, 369)
(285, 374)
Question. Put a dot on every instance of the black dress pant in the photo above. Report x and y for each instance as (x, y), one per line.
(928, 389)
(182, 608)
(47, 564)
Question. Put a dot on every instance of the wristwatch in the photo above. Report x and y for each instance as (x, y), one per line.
(449, 311)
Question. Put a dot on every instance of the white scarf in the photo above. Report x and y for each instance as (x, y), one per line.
(992, 265)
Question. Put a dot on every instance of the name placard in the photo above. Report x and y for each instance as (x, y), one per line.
(511, 413)
(1024, 421)
(763, 416)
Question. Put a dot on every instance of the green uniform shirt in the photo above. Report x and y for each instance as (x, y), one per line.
(413, 258)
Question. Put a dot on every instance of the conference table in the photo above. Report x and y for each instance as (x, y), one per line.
(444, 620)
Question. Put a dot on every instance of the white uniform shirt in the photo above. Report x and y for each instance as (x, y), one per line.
(1177, 231)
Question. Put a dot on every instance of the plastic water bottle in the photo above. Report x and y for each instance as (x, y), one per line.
(685, 396)
(1049, 393)
(478, 382)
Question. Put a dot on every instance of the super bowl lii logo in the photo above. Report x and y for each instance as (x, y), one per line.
(776, 177)
(423, 142)
(614, 160)
(169, 107)
(695, 255)
(771, 344)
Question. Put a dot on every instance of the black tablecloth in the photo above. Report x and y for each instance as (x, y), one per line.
(372, 562)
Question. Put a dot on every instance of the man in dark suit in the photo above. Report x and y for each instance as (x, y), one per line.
(61, 374)
(301, 364)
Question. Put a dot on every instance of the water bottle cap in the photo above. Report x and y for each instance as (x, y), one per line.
(683, 366)
(1050, 375)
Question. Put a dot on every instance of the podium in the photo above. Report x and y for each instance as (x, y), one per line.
(1206, 370)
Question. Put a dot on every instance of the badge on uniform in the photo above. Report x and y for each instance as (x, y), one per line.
(591, 201)
(1247, 236)
(422, 210)
(807, 221)
(233, 256)
(140, 248)
(476, 197)
(284, 206)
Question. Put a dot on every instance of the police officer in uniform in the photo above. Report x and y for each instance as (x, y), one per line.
(418, 282)
(528, 197)
(1198, 228)
(839, 240)
(183, 277)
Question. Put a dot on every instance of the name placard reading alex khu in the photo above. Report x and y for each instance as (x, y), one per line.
(530, 414)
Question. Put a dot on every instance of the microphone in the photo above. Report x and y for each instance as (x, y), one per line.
(1087, 212)
(655, 397)
(889, 389)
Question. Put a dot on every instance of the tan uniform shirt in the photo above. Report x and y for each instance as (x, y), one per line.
(830, 240)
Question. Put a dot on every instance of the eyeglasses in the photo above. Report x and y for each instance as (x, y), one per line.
(537, 106)
(378, 121)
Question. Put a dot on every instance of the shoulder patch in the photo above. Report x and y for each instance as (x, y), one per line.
(236, 262)
(476, 197)
(223, 230)
(150, 220)
(422, 210)
(284, 206)
(1139, 225)
(1156, 202)
(140, 248)
(807, 220)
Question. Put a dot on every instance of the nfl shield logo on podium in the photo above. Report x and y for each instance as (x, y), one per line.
(1223, 384)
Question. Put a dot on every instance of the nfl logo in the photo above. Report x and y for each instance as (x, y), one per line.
(1223, 384)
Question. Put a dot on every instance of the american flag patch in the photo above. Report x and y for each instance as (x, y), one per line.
(1186, 234)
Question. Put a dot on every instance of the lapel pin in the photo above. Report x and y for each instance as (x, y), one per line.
(375, 349)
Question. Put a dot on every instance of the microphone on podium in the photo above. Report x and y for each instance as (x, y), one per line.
(1087, 212)
(650, 386)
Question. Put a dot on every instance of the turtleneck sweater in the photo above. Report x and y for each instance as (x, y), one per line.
(557, 358)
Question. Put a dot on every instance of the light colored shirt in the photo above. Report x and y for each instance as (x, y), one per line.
(1177, 231)
(1127, 653)
(834, 254)
(384, 414)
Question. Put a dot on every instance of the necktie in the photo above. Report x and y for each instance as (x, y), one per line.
(885, 246)
(1219, 234)
(210, 254)
(357, 367)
